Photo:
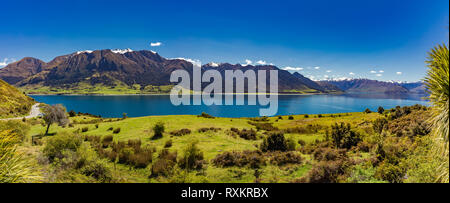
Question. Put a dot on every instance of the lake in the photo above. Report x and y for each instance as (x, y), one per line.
(148, 105)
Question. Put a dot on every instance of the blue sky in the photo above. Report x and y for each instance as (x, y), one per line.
(384, 40)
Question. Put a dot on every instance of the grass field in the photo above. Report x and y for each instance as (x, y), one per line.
(210, 143)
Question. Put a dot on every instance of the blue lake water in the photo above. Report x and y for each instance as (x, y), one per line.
(147, 105)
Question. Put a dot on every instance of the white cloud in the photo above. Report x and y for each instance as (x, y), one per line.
(260, 62)
(293, 68)
(326, 76)
(247, 62)
(399, 73)
(6, 61)
(351, 73)
(381, 71)
(317, 67)
(155, 44)
(379, 75)
(372, 71)
(197, 63)
(328, 71)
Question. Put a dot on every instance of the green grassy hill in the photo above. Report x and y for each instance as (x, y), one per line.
(13, 102)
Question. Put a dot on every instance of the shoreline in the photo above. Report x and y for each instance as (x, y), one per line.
(330, 93)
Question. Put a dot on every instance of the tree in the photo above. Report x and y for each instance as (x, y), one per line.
(158, 130)
(55, 114)
(367, 111)
(380, 110)
(274, 142)
(437, 82)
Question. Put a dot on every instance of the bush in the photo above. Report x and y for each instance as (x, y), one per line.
(253, 159)
(158, 130)
(380, 110)
(192, 158)
(96, 126)
(244, 133)
(164, 165)
(181, 132)
(301, 142)
(205, 115)
(291, 145)
(367, 111)
(283, 158)
(85, 129)
(60, 143)
(379, 125)
(116, 131)
(213, 129)
(327, 172)
(306, 116)
(107, 140)
(274, 142)
(72, 113)
(343, 136)
(110, 128)
(263, 126)
(168, 144)
(291, 118)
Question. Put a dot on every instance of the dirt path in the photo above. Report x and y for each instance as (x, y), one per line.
(35, 111)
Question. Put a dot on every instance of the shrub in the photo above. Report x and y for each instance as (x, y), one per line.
(380, 110)
(319, 116)
(158, 130)
(164, 165)
(192, 158)
(213, 129)
(244, 133)
(72, 113)
(96, 126)
(283, 158)
(116, 131)
(306, 116)
(301, 142)
(205, 115)
(110, 128)
(379, 125)
(168, 144)
(327, 172)
(58, 144)
(291, 145)
(291, 118)
(367, 111)
(85, 129)
(181, 132)
(263, 126)
(343, 136)
(253, 159)
(274, 142)
(329, 154)
(107, 140)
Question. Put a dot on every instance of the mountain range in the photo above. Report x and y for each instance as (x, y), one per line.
(135, 72)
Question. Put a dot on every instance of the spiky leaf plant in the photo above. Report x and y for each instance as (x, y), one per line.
(437, 81)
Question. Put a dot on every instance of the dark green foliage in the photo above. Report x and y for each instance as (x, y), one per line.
(343, 136)
(263, 126)
(72, 113)
(165, 164)
(168, 144)
(380, 110)
(107, 140)
(283, 158)
(116, 131)
(252, 159)
(212, 129)
(205, 115)
(291, 117)
(379, 125)
(158, 130)
(301, 142)
(367, 111)
(181, 132)
(291, 145)
(244, 133)
(192, 158)
(306, 116)
(274, 142)
(85, 129)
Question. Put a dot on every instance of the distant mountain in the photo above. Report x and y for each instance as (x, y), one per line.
(329, 87)
(366, 85)
(22, 69)
(12, 101)
(415, 87)
(123, 70)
